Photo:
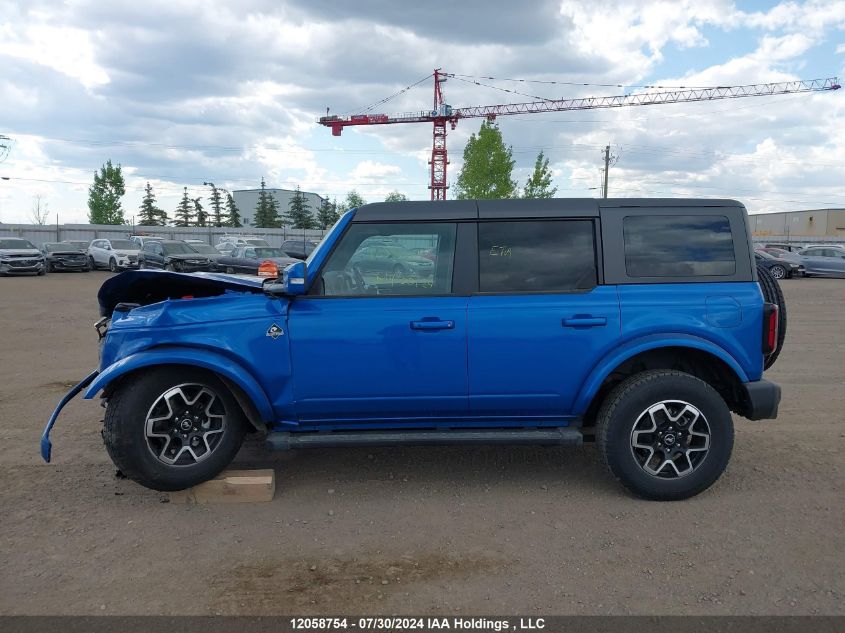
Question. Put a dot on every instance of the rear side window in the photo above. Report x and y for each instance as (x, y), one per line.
(536, 256)
(678, 246)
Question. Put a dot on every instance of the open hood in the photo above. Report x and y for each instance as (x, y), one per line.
(151, 286)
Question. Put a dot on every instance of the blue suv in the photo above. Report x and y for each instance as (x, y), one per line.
(639, 324)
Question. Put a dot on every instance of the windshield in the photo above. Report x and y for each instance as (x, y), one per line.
(76, 244)
(16, 243)
(270, 252)
(257, 242)
(124, 244)
(174, 248)
(205, 249)
(53, 247)
(765, 255)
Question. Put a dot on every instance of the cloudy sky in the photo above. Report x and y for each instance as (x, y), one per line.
(186, 91)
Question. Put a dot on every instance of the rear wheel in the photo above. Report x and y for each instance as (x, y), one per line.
(171, 428)
(778, 272)
(665, 435)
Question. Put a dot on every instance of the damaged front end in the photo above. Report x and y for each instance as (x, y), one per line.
(123, 293)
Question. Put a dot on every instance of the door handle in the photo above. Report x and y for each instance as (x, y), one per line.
(429, 325)
(584, 320)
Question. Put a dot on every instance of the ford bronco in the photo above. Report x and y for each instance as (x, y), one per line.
(640, 324)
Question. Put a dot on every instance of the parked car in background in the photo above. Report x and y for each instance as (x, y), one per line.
(782, 254)
(824, 260)
(299, 249)
(206, 250)
(62, 256)
(173, 255)
(113, 254)
(80, 245)
(19, 256)
(140, 240)
(779, 267)
(228, 243)
(791, 248)
(392, 261)
(248, 259)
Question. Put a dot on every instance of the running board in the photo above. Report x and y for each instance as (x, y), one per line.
(282, 440)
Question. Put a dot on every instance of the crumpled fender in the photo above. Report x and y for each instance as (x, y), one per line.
(643, 344)
(206, 359)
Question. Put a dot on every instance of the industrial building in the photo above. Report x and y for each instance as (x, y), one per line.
(247, 201)
(815, 223)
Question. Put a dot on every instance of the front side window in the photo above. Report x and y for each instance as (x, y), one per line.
(536, 256)
(678, 246)
(380, 259)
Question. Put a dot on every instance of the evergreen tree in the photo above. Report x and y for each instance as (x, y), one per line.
(353, 201)
(184, 215)
(396, 196)
(299, 211)
(488, 166)
(539, 184)
(104, 196)
(267, 209)
(233, 215)
(149, 213)
(201, 214)
(327, 214)
(216, 204)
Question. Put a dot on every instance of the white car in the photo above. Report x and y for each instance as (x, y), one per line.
(113, 254)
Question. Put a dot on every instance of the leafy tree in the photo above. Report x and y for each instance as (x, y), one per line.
(105, 194)
(539, 184)
(327, 214)
(149, 213)
(488, 166)
(201, 214)
(396, 196)
(215, 201)
(267, 209)
(233, 215)
(353, 201)
(184, 215)
(299, 211)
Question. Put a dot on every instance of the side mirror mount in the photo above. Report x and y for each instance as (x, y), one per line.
(292, 282)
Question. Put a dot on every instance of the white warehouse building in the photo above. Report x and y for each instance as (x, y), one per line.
(247, 200)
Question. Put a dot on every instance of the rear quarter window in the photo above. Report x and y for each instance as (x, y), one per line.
(678, 246)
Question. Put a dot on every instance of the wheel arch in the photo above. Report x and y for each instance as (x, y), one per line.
(242, 385)
(691, 355)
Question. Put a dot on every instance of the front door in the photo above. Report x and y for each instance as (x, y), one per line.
(540, 320)
(371, 348)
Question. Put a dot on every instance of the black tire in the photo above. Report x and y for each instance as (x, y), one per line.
(113, 265)
(772, 293)
(230, 270)
(92, 265)
(125, 437)
(627, 405)
(778, 272)
(48, 267)
(42, 272)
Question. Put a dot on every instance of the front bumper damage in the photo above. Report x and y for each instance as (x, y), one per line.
(46, 445)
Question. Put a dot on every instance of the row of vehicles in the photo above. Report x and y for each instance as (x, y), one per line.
(822, 260)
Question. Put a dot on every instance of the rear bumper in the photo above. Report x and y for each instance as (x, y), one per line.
(761, 400)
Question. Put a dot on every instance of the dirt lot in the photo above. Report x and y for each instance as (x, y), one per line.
(417, 530)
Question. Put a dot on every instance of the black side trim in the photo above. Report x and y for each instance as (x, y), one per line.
(762, 399)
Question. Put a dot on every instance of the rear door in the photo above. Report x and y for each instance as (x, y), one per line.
(540, 320)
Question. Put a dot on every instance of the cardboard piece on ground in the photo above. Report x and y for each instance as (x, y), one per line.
(231, 486)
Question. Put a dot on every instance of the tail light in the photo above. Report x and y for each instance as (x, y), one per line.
(770, 328)
(268, 269)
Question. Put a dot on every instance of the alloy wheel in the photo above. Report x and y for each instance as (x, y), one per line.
(670, 439)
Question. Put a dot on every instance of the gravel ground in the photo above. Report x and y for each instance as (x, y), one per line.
(416, 530)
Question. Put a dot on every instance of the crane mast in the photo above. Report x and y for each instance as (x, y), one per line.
(443, 114)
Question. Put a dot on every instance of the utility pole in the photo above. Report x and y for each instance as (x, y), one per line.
(606, 169)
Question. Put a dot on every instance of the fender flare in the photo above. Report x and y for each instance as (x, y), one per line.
(230, 371)
(619, 355)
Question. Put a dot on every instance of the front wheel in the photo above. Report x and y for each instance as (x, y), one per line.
(778, 272)
(665, 435)
(92, 265)
(113, 265)
(172, 428)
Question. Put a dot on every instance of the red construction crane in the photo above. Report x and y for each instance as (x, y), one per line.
(443, 114)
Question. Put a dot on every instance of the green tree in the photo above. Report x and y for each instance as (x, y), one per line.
(233, 214)
(299, 211)
(353, 201)
(105, 194)
(267, 210)
(327, 214)
(539, 184)
(149, 213)
(184, 215)
(488, 166)
(396, 196)
(201, 214)
(215, 201)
